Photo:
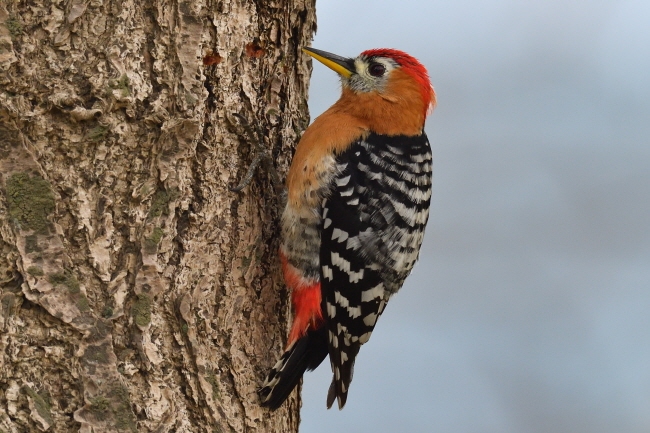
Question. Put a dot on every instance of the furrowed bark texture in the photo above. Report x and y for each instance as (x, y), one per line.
(137, 293)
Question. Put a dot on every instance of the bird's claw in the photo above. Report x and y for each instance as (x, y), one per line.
(261, 154)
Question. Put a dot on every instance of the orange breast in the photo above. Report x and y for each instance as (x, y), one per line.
(397, 110)
(330, 134)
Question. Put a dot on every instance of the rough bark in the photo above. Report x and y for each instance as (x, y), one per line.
(137, 292)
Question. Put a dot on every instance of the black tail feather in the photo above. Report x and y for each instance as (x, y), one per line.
(305, 354)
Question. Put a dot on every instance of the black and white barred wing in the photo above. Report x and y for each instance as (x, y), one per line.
(373, 223)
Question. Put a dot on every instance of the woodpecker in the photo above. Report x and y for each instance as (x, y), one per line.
(359, 188)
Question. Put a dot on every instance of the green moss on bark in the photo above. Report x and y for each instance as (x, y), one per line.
(42, 406)
(98, 133)
(65, 279)
(30, 201)
(123, 84)
(151, 243)
(121, 408)
(99, 407)
(141, 310)
(115, 404)
(160, 202)
(35, 271)
(14, 26)
(82, 303)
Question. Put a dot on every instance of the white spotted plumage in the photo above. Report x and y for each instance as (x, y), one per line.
(374, 218)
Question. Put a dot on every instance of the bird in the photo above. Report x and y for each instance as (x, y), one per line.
(358, 195)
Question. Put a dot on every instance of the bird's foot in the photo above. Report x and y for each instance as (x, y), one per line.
(262, 156)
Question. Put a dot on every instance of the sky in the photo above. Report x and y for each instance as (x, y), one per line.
(529, 310)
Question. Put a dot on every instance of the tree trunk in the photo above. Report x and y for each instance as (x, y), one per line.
(137, 292)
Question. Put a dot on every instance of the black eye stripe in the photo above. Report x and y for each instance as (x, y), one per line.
(376, 69)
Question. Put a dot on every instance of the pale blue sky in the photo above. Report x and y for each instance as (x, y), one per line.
(529, 309)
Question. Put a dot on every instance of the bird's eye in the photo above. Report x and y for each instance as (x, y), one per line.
(376, 69)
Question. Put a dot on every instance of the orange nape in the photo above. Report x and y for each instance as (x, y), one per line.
(306, 300)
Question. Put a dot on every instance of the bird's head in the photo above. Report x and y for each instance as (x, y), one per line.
(390, 74)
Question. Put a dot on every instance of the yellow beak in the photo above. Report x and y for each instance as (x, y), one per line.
(340, 65)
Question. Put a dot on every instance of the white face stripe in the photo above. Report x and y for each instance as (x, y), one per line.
(362, 63)
(362, 81)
